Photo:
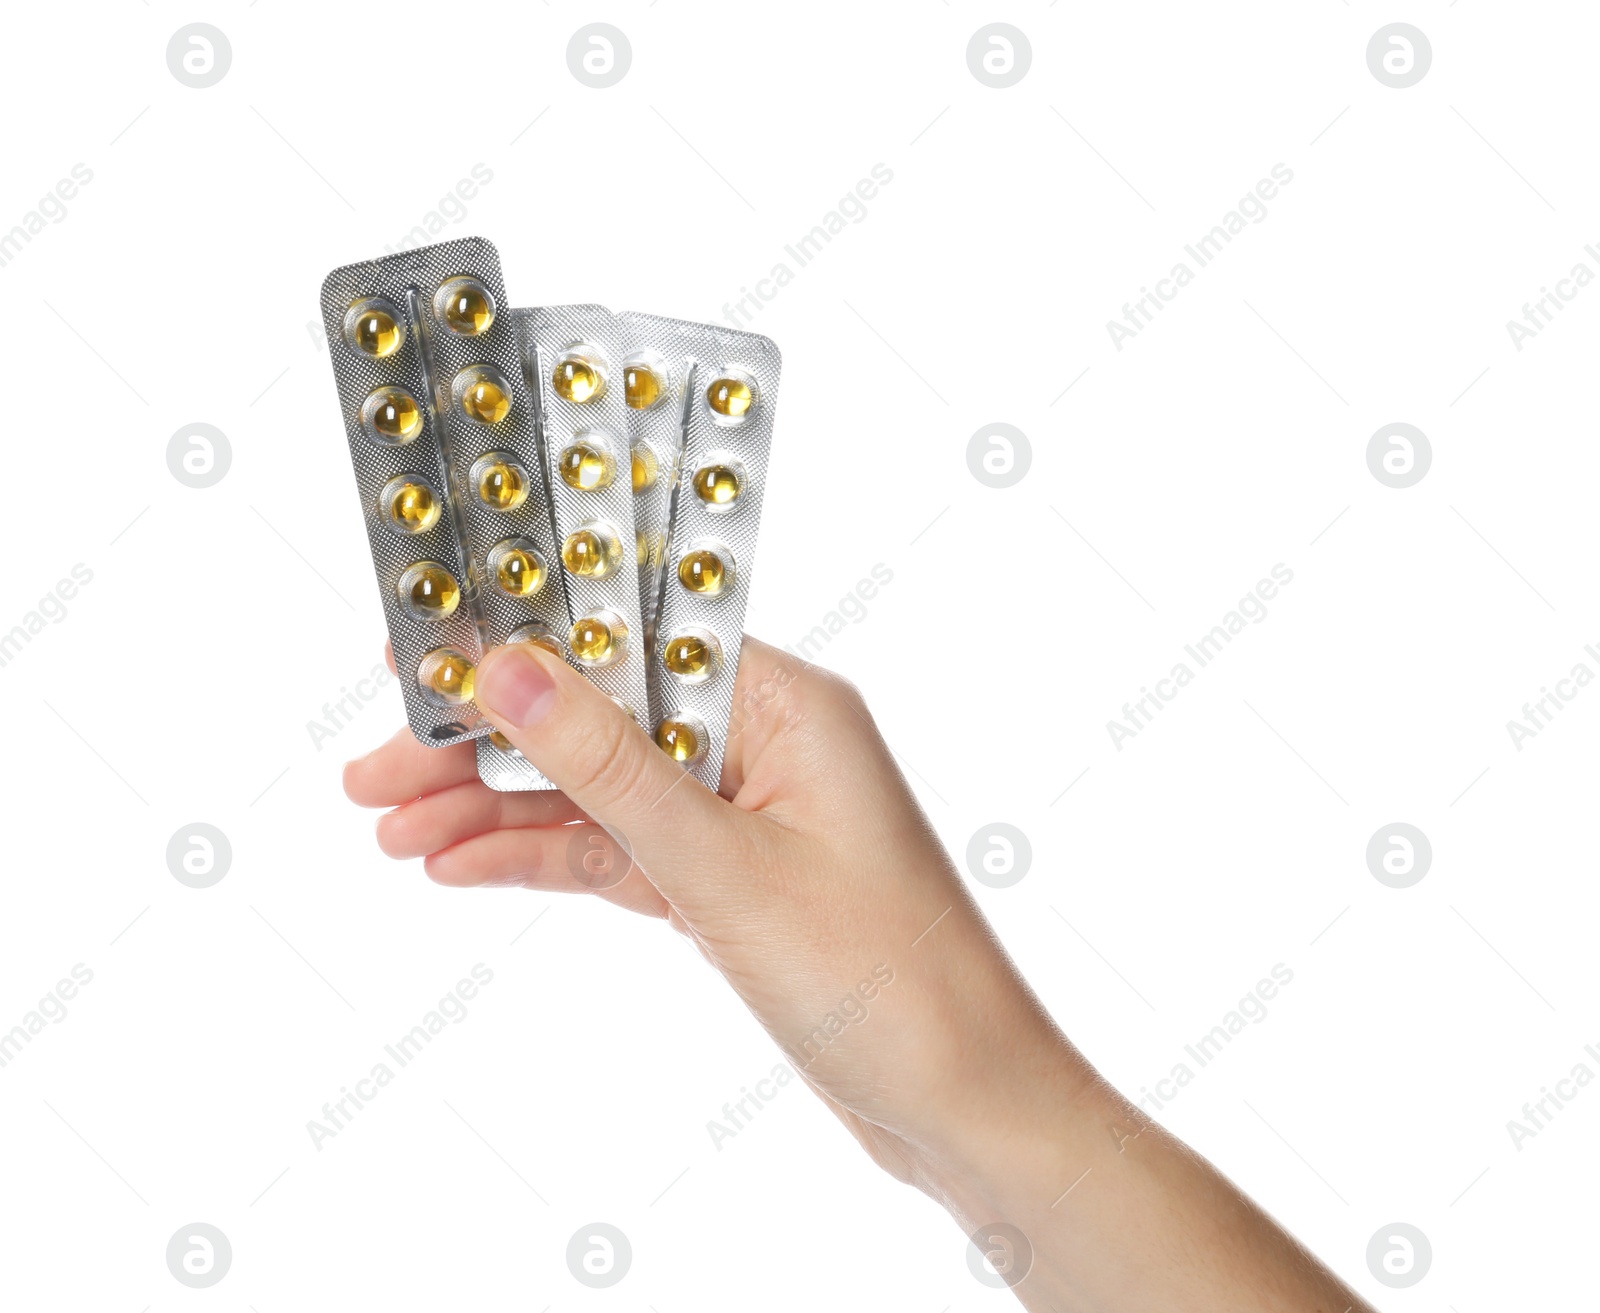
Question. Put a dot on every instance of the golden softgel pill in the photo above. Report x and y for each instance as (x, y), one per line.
(730, 396)
(429, 591)
(578, 378)
(483, 394)
(681, 738)
(692, 656)
(465, 306)
(718, 485)
(703, 570)
(447, 676)
(597, 640)
(410, 505)
(592, 551)
(373, 328)
(516, 568)
(391, 416)
(501, 482)
(585, 466)
(641, 386)
(503, 743)
(538, 635)
(645, 468)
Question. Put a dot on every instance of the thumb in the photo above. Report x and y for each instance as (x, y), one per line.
(595, 754)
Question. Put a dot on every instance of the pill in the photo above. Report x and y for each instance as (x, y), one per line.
(516, 567)
(466, 306)
(410, 504)
(681, 737)
(484, 394)
(693, 656)
(706, 570)
(592, 551)
(391, 416)
(578, 378)
(585, 465)
(598, 639)
(501, 482)
(730, 396)
(719, 484)
(447, 676)
(429, 591)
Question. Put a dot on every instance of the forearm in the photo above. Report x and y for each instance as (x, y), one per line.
(1094, 1207)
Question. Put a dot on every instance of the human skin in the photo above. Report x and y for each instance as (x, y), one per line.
(811, 869)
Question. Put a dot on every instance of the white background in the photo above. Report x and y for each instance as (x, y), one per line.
(1229, 436)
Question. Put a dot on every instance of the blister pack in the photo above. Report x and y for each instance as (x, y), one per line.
(713, 521)
(441, 428)
(575, 358)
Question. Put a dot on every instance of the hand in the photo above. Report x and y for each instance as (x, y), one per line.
(815, 884)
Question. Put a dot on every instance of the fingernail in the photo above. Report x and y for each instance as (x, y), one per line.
(513, 687)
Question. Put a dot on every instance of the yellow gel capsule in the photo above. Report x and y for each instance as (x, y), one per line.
(518, 572)
(466, 306)
(641, 386)
(645, 468)
(430, 591)
(591, 553)
(593, 640)
(448, 676)
(717, 485)
(577, 378)
(585, 467)
(485, 400)
(376, 333)
(730, 396)
(502, 742)
(501, 485)
(642, 547)
(701, 571)
(689, 656)
(412, 506)
(393, 416)
(678, 739)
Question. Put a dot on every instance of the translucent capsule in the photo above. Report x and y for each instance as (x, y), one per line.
(586, 464)
(516, 568)
(719, 484)
(483, 393)
(642, 385)
(372, 327)
(410, 505)
(391, 416)
(598, 639)
(447, 677)
(645, 467)
(429, 591)
(731, 396)
(465, 306)
(682, 737)
(578, 377)
(500, 481)
(539, 635)
(641, 542)
(693, 655)
(706, 568)
(503, 743)
(592, 551)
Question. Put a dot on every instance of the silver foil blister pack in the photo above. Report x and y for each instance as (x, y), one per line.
(714, 520)
(427, 362)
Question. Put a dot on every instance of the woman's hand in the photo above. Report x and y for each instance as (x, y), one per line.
(815, 884)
